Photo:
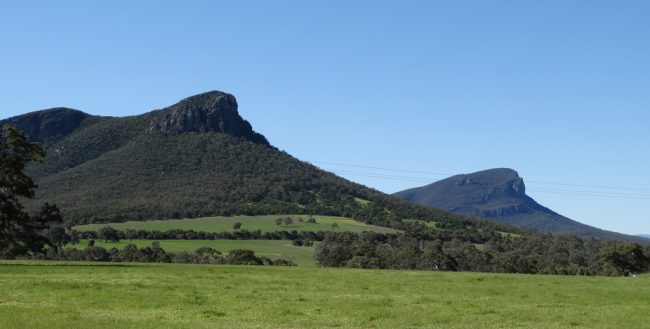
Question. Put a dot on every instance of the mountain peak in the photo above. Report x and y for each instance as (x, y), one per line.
(49, 125)
(213, 111)
(499, 194)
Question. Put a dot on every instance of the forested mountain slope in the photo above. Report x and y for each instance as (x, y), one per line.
(195, 158)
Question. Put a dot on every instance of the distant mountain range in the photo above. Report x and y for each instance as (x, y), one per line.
(198, 157)
(645, 235)
(500, 195)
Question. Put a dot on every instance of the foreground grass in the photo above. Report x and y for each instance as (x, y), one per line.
(273, 249)
(264, 223)
(74, 295)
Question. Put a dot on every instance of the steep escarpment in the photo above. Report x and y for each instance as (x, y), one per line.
(209, 112)
(499, 195)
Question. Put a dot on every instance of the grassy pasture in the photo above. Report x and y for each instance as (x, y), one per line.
(273, 249)
(85, 295)
(264, 223)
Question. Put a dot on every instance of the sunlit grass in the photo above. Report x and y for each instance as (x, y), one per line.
(76, 295)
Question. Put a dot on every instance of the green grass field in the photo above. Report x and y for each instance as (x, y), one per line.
(221, 224)
(273, 249)
(77, 295)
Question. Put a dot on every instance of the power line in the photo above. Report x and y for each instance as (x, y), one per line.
(444, 174)
(590, 194)
(534, 188)
(594, 186)
(595, 192)
(381, 168)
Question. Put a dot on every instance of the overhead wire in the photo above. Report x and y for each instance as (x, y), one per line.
(533, 187)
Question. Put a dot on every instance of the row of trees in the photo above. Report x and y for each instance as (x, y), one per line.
(108, 233)
(542, 254)
(156, 254)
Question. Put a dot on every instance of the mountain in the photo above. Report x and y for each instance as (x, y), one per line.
(198, 157)
(500, 195)
(645, 235)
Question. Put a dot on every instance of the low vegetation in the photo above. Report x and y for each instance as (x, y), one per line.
(74, 295)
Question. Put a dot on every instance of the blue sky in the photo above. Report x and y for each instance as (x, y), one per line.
(557, 90)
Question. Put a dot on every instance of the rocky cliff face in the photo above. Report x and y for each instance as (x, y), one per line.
(485, 186)
(213, 111)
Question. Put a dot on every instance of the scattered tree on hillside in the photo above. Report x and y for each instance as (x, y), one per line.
(20, 232)
(287, 221)
(236, 226)
(334, 226)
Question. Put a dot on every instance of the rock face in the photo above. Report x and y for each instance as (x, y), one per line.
(213, 111)
(499, 195)
(491, 193)
(48, 125)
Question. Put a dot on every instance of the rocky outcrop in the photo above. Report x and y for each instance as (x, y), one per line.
(213, 111)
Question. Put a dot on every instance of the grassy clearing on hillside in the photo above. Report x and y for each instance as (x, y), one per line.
(264, 223)
(273, 249)
(78, 295)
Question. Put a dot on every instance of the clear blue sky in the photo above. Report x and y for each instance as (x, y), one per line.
(558, 90)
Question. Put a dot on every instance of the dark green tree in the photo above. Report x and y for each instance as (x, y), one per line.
(20, 232)
(108, 233)
(57, 236)
(627, 259)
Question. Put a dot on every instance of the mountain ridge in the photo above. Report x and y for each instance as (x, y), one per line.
(499, 194)
(195, 158)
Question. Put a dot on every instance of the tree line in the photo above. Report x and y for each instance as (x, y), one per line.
(110, 234)
(156, 254)
(538, 254)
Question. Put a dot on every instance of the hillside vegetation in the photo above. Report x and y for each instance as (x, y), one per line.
(199, 158)
(72, 295)
(264, 223)
(196, 158)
